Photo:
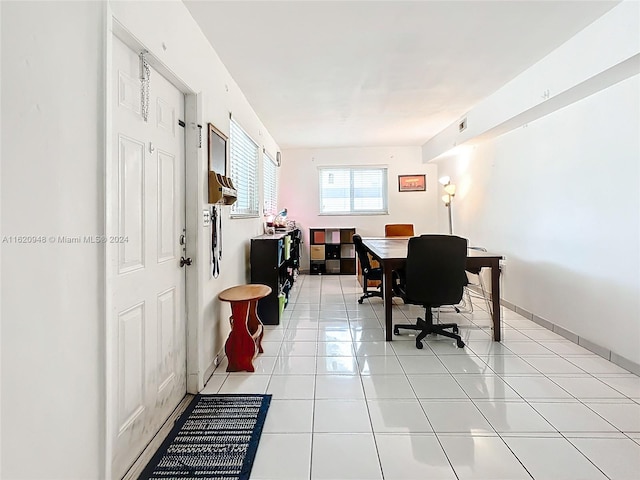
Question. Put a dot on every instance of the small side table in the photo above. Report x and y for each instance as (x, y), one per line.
(245, 339)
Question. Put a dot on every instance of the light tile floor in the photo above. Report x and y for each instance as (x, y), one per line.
(348, 405)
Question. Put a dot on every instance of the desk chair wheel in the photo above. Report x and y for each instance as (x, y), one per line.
(460, 343)
(419, 345)
(396, 331)
(360, 301)
(455, 330)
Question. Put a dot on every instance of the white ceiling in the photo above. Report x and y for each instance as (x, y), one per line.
(362, 73)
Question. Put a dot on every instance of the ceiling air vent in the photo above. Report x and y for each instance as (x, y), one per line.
(462, 125)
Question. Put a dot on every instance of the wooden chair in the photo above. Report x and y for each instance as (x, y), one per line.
(398, 230)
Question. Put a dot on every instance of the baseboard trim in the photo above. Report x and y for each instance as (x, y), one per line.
(209, 371)
(603, 352)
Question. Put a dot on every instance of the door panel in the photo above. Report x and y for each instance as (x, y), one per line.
(167, 337)
(166, 207)
(131, 209)
(148, 285)
(128, 92)
(131, 375)
(166, 117)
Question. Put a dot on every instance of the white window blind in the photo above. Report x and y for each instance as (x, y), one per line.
(244, 172)
(353, 190)
(270, 180)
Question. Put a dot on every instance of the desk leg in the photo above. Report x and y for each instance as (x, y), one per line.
(387, 296)
(495, 298)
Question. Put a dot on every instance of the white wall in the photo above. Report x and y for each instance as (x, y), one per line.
(299, 190)
(52, 305)
(559, 195)
(53, 130)
(560, 199)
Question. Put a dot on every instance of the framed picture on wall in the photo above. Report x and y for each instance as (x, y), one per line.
(217, 151)
(412, 183)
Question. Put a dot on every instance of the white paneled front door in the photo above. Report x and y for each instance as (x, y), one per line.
(147, 283)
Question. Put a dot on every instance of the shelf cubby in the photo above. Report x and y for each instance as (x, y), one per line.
(332, 251)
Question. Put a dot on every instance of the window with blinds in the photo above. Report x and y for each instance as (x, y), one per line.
(353, 190)
(244, 172)
(270, 181)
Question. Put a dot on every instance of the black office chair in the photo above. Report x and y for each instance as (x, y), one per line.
(433, 276)
(368, 273)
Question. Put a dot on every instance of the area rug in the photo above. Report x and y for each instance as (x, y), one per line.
(216, 437)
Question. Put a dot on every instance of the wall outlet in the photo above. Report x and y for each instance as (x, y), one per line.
(206, 218)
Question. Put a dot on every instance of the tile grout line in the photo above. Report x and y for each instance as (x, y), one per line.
(359, 324)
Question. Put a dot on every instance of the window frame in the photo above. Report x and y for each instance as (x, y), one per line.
(352, 169)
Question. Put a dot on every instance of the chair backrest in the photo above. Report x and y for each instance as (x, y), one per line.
(363, 256)
(398, 230)
(435, 270)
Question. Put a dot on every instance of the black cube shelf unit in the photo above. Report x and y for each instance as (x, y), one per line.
(332, 251)
(275, 262)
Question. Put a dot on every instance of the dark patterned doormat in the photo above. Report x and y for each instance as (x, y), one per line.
(216, 437)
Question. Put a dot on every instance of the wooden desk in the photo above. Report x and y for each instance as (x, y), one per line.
(392, 255)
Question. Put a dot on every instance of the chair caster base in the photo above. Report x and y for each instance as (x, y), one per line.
(360, 301)
(460, 343)
(419, 345)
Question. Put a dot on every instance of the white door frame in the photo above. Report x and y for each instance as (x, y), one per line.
(192, 135)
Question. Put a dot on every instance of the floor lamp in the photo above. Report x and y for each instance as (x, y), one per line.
(450, 192)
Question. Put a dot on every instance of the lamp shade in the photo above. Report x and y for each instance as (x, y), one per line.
(450, 189)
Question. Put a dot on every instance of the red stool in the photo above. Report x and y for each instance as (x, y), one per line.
(245, 339)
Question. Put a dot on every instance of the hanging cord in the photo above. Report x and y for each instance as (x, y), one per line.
(216, 240)
(220, 236)
(215, 264)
